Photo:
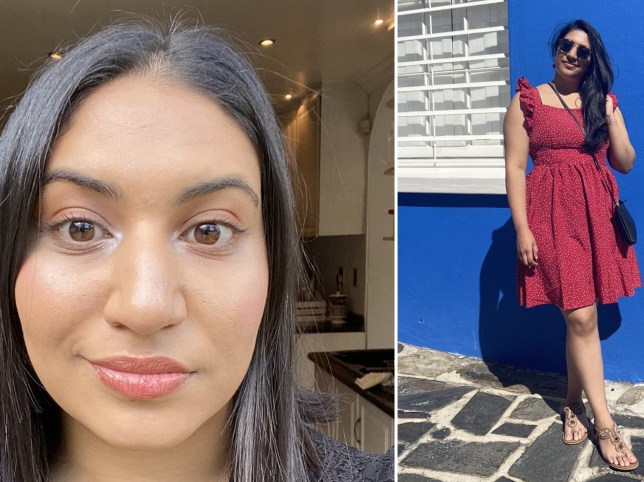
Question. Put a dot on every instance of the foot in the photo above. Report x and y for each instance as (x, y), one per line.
(613, 449)
(574, 423)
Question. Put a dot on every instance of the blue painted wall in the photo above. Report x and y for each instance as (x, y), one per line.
(456, 253)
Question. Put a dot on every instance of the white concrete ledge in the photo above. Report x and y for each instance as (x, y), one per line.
(451, 180)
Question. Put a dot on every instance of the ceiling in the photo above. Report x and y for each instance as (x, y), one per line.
(316, 40)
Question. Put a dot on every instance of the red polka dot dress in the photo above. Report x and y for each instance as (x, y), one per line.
(581, 257)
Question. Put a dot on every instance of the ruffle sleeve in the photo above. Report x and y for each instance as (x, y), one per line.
(615, 101)
(529, 97)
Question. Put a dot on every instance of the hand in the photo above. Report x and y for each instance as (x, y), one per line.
(610, 109)
(527, 250)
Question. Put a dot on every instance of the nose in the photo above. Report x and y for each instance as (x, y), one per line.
(146, 293)
(570, 53)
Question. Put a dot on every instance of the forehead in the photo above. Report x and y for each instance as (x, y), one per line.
(137, 104)
(138, 126)
(579, 37)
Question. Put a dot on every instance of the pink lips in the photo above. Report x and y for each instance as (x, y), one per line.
(141, 378)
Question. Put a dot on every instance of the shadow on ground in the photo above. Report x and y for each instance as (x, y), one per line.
(525, 338)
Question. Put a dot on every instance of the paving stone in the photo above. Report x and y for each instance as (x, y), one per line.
(611, 478)
(472, 458)
(431, 363)
(638, 450)
(412, 431)
(408, 385)
(596, 459)
(535, 408)
(629, 421)
(504, 479)
(403, 414)
(519, 430)
(401, 448)
(442, 433)
(481, 413)
(545, 460)
(429, 402)
(521, 380)
(632, 396)
(415, 478)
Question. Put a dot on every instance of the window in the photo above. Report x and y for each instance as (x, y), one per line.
(452, 92)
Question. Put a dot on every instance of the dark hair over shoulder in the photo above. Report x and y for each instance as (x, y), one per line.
(595, 85)
(269, 438)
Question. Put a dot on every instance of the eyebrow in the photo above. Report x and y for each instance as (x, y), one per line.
(113, 192)
(105, 188)
(217, 185)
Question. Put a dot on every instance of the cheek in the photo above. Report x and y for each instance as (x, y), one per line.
(250, 296)
(229, 309)
(52, 300)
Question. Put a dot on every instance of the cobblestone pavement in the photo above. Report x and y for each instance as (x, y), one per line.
(463, 420)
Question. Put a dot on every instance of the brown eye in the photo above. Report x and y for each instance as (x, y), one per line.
(207, 233)
(81, 231)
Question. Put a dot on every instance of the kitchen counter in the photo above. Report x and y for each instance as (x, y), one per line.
(354, 324)
(346, 366)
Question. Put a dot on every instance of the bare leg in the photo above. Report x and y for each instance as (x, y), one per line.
(573, 397)
(574, 382)
(584, 356)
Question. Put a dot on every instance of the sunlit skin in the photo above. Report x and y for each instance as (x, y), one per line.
(151, 243)
(583, 349)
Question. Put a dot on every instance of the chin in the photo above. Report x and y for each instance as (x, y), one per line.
(149, 430)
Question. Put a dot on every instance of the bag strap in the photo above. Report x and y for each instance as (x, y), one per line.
(583, 131)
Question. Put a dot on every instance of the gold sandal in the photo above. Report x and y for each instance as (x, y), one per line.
(571, 413)
(615, 438)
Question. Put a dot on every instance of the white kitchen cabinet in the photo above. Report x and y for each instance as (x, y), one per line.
(323, 135)
(342, 428)
(343, 164)
(380, 290)
(376, 428)
(360, 424)
(302, 131)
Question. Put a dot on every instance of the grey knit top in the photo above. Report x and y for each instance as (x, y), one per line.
(341, 463)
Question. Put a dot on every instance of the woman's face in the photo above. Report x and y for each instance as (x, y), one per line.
(568, 64)
(141, 300)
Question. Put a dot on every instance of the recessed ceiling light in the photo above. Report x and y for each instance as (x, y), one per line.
(288, 96)
(378, 22)
(267, 42)
(56, 55)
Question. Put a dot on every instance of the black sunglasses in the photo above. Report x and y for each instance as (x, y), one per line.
(566, 46)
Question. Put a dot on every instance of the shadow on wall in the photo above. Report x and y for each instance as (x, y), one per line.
(513, 335)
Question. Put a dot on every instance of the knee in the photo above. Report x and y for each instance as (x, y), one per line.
(582, 323)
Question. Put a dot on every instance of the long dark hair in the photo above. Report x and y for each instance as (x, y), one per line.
(594, 87)
(269, 437)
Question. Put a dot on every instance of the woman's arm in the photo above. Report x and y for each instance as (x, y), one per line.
(516, 143)
(621, 154)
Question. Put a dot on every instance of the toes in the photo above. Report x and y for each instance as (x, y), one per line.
(624, 460)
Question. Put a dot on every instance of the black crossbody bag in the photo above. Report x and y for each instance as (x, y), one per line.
(622, 219)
